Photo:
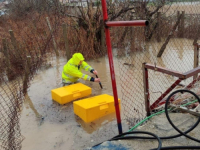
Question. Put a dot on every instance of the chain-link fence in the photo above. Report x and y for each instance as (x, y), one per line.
(32, 31)
(25, 45)
(168, 42)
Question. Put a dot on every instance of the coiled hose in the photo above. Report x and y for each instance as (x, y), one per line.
(123, 137)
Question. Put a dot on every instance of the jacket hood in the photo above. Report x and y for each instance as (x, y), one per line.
(77, 57)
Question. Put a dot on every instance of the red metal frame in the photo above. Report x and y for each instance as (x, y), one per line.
(157, 102)
(193, 82)
(127, 23)
(187, 87)
(164, 70)
(181, 77)
(146, 89)
(109, 49)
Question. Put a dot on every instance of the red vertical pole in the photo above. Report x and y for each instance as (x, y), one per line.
(146, 89)
(109, 49)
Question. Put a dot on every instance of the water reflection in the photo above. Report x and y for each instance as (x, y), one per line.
(95, 125)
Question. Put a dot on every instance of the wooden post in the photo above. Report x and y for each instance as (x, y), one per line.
(158, 27)
(7, 59)
(179, 26)
(146, 89)
(196, 58)
(182, 24)
(162, 49)
(66, 41)
(26, 76)
(29, 101)
(54, 42)
(6, 54)
(13, 40)
(17, 50)
(103, 42)
(132, 39)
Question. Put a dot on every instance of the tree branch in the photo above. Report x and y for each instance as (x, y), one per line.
(124, 10)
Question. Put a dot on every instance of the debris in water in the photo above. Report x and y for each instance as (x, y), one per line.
(131, 65)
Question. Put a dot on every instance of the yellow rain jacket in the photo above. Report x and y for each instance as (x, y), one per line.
(72, 70)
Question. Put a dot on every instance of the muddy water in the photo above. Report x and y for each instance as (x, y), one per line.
(188, 7)
(48, 125)
(178, 56)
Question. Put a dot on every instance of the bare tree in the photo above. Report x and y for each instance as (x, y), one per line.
(90, 18)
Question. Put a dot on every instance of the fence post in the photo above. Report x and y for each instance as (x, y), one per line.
(158, 27)
(53, 38)
(66, 41)
(103, 42)
(179, 26)
(132, 39)
(6, 54)
(182, 24)
(196, 58)
(26, 76)
(7, 59)
(28, 100)
(14, 43)
(146, 89)
(162, 49)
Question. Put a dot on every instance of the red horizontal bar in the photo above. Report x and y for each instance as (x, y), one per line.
(127, 23)
(164, 70)
(192, 72)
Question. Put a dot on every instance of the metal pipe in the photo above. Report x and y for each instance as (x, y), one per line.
(165, 70)
(109, 50)
(146, 89)
(192, 72)
(192, 83)
(127, 23)
(154, 105)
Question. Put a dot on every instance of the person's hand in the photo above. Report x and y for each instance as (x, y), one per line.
(95, 72)
(97, 80)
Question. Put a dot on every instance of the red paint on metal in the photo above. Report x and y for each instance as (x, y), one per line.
(104, 8)
(187, 87)
(109, 47)
(193, 82)
(147, 93)
(155, 104)
(192, 72)
(127, 23)
(165, 70)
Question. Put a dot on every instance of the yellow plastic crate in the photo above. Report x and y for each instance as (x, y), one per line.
(69, 93)
(90, 109)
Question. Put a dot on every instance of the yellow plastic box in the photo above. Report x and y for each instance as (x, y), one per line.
(69, 93)
(90, 109)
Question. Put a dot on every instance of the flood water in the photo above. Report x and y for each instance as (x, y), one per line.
(47, 125)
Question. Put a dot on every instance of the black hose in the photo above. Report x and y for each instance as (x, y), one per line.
(138, 132)
(167, 115)
(123, 137)
(178, 147)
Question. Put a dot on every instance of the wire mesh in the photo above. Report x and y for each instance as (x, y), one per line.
(32, 31)
(173, 28)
